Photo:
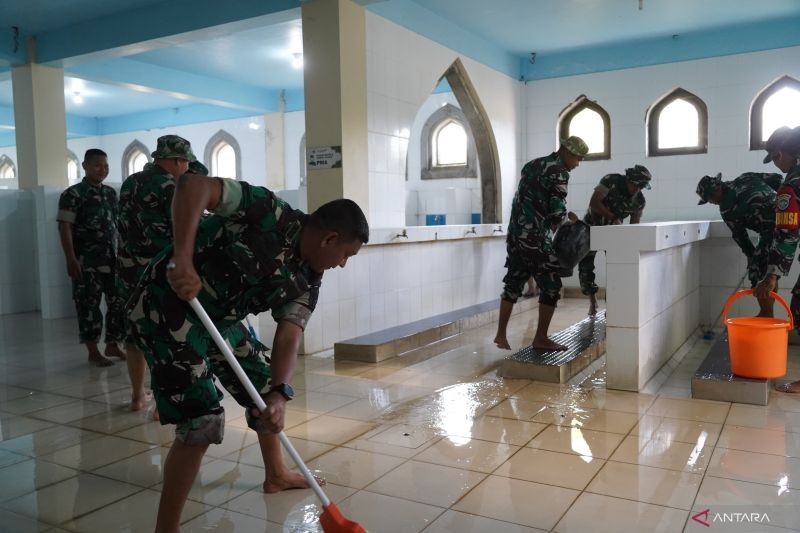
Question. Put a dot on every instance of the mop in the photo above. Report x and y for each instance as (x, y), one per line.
(709, 333)
(332, 520)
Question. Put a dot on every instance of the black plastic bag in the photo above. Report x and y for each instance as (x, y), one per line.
(571, 244)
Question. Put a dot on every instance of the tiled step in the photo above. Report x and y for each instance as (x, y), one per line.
(586, 341)
(411, 337)
(714, 380)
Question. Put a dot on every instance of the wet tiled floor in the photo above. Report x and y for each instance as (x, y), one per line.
(440, 445)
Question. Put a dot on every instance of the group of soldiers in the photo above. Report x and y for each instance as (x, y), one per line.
(176, 234)
(766, 203)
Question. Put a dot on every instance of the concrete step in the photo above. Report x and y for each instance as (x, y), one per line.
(714, 380)
(586, 341)
(399, 340)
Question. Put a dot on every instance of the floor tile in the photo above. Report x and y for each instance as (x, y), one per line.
(329, 429)
(70, 411)
(307, 449)
(10, 458)
(598, 444)
(17, 523)
(319, 402)
(293, 508)
(728, 495)
(775, 470)
(520, 502)
(593, 512)
(362, 409)
(477, 455)
(690, 431)
(646, 484)
(764, 418)
(150, 433)
(234, 440)
(220, 481)
(596, 419)
(16, 426)
(467, 523)
(95, 453)
(697, 410)
(71, 498)
(224, 521)
(403, 435)
(134, 513)
(144, 469)
(517, 409)
(376, 512)
(760, 441)
(34, 402)
(552, 468)
(426, 483)
(28, 476)
(353, 468)
(672, 455)
(497, 429)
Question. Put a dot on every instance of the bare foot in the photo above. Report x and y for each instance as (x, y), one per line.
(548, 345)
(98, 359)
(139, 402)
(112, 350)
(502, 342)
(291, 480)
(791, 387)
(592, 305)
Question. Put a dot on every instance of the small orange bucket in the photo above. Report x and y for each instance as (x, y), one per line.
(758, 345)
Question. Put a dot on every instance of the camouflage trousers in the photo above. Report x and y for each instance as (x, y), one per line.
(586, 274)
(542, 264)
(87, 294)
(184, 361)
(757, 266)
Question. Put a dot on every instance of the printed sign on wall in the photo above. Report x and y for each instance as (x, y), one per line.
(324, 157)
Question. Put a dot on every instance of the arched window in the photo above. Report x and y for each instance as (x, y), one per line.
(778, 104)
(590, 122)
(448, 148)
(224, 156)
(8, 173)
(303, 161)
(677, 123)
(134, 158)
(73, 168)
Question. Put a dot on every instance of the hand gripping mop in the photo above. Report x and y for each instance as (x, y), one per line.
(332, 520)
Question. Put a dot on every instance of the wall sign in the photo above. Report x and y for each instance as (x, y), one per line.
(324, 157)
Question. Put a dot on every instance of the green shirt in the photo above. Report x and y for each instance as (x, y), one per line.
(91, 210)
(616, 199)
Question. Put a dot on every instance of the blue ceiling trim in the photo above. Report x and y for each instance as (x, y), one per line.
(428, 24)
(8, 42)
(78, 126)
(184, 85)
(8, 138)
(166, 20)
(737, 39)
(167, 118)
(6, 115)
(295, 100)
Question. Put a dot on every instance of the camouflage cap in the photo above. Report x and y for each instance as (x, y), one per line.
(773, 144)
(196, 167)
(173, 147)
(791, 142)
(576, 145)
(639, 175)
(707, 186)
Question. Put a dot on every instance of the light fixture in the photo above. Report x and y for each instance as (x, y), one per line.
(297, 60)
(253, 125)
(77, 99)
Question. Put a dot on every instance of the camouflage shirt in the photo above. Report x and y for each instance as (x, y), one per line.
(539, 204)
(145, 218)
(616, 199)
(787, 224)
(748, 203)
(92, 212)
(248, 258)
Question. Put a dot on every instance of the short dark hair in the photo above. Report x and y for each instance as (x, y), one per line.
(344, 217)
(94, 152)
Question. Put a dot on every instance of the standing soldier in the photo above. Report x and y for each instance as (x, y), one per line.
(747, 203)
(615, 198)
(145, 227)
(87, 225)
(538, 209)
(785, 153)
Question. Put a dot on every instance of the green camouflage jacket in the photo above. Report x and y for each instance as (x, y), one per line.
(539, 204)
(248, 258)
(145, 222)
(614, 187)
(748, 203)
(787, 224)
(92, 212)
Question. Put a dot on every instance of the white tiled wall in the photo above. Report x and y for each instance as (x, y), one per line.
(19, 290)
(55, 287)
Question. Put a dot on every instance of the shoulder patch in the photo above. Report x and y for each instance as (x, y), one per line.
(787, 209)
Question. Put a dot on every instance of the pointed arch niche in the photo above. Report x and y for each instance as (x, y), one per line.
(132, 158)
(777, 104)
(677, 124)
(480, 138)
(588, 120)
(218, 151)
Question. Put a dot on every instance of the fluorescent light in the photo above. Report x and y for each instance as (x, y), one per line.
(297, 61)
(252, 125)
(77, 99)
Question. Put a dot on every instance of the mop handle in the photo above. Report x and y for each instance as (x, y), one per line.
(256, 397)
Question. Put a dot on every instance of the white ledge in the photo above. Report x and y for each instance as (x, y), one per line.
(405, 235)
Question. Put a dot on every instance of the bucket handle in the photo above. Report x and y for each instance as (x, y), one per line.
(774, 295)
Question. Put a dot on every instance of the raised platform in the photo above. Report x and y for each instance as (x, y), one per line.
(426, 335)
(586, 341)
(714, 380)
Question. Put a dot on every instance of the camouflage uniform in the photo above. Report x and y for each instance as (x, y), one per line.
(92, 213)
(539, 205)
(247, 256)
(747, 203)
(616, 198)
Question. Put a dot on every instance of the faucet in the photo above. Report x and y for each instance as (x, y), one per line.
(498, 229)
(402, 235)
(472, 230)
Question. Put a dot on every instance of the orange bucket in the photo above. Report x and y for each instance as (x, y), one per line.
(758, 345)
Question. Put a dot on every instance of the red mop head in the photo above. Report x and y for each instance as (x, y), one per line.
(333, 521)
